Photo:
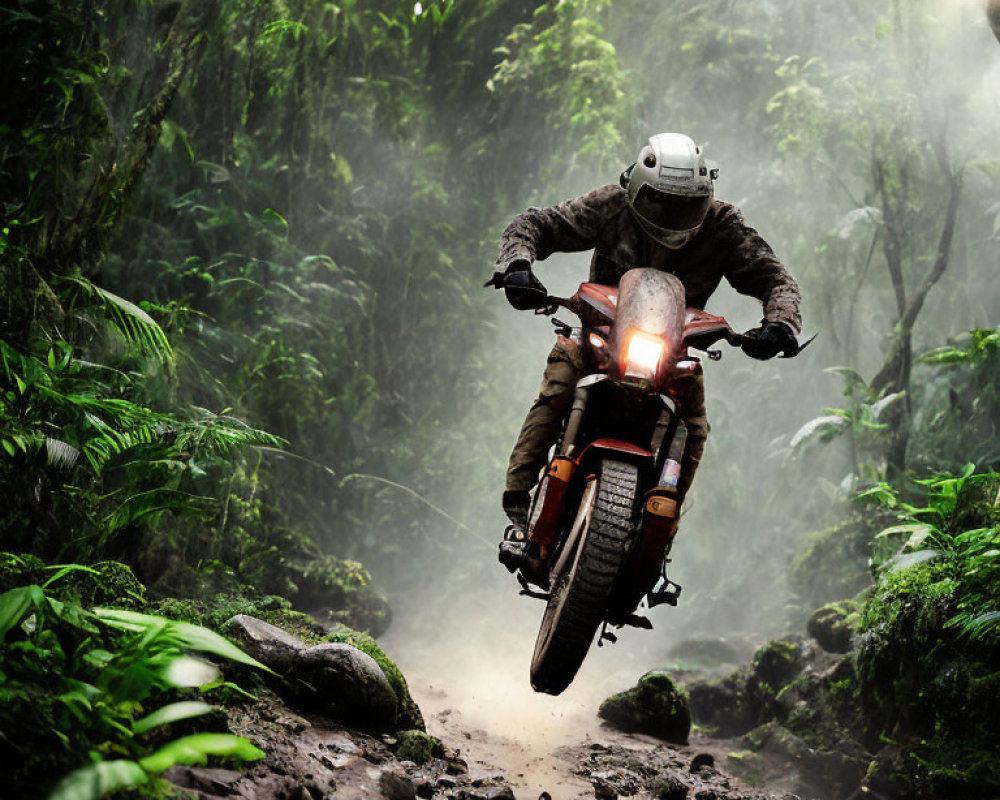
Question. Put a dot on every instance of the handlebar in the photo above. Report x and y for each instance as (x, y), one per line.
(700, 341)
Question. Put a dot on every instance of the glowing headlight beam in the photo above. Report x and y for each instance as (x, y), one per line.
(644, 352)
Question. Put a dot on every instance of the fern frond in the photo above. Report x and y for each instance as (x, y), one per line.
(149, 505)
(140, 329)
(222, 435)
(60, 453)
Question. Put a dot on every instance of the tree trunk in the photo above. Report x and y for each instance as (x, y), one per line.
(894, 376)
(102, 203)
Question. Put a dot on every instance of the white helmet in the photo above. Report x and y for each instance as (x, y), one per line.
(670, 188)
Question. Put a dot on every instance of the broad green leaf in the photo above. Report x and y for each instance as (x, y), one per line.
(195, 637)
(15, 604)
(187, 672)
(65, 569)
(908, 528)
(181, 634)
(907, 560)
(186, 709)
(195, 749)
(819, 426)
(99, 780)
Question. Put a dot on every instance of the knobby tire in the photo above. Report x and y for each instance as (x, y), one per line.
(579, 598)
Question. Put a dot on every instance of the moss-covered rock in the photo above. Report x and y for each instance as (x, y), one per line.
(408, 716)
(723, 705)
(330, 589)
(103, 583)
(111, 583)
(777, 663)
(215, 610)
(656, 705)
(20, 570)
(834, 625)
(935, 693)
(733, 704)
(417, 746)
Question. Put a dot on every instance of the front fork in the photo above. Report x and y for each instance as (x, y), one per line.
(551, 493)
(660, 516)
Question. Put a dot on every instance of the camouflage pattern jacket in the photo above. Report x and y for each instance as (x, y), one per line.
(724, 247)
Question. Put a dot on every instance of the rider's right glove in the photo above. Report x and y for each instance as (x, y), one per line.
(522, 289)
(769, 340)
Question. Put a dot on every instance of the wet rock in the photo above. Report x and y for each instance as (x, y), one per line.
(604, 790)
(456, 766)
(669, 788)
(832, 626)
(492, 793)
(656, 705)
(777, 663)
(201, 779)
(425, 789)
(408, 715)
(723, 704)
(993, 15)
(702, 760)
(417, 746)
(333, 679)
(396, 787)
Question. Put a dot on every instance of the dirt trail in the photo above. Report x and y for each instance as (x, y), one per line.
(469, 674)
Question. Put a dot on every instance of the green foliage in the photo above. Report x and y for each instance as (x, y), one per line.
(79, 684)
(958, 529)
(957, 421)
(560, 66)
(110, 463)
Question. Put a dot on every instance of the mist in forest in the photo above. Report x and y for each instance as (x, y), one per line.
(754, 501)
(249, 368)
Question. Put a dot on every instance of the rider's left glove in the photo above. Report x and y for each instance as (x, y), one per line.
(772, 338)
(522, 289)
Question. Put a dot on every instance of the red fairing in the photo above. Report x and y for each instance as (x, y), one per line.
(600, 297)
(699, 323)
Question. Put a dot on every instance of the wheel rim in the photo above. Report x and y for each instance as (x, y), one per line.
(563, 575)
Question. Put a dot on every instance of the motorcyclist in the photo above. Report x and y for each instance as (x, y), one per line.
(663, 215)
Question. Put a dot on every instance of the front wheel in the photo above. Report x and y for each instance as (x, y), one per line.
(585, 575)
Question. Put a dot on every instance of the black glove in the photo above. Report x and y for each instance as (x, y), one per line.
(770, 339)
(522, 289)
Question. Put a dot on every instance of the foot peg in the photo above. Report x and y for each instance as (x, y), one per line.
(514, 549)
(666, 593)
(519, 554)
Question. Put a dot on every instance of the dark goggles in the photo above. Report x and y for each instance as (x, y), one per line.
(671, 212)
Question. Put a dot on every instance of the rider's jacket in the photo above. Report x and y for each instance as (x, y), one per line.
(724, 247)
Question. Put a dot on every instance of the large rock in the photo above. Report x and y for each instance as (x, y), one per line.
(833, 626)
(334, 679)
(735, 703)
(656, 705)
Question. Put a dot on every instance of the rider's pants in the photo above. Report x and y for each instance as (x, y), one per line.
(544, 421)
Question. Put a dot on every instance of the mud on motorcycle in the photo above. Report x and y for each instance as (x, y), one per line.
(604, 515)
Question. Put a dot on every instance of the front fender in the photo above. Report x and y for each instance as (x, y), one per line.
(624, 450)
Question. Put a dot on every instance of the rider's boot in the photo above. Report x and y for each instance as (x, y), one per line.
(517, 551)
(515, 548)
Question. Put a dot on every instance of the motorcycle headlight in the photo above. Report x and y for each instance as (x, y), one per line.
(643, 356)
(597, 341)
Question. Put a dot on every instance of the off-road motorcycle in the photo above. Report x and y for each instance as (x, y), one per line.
(604, 514)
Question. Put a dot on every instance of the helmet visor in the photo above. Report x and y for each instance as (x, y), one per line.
(671, 212)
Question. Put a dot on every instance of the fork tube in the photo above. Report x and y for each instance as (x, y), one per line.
(574, 420)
